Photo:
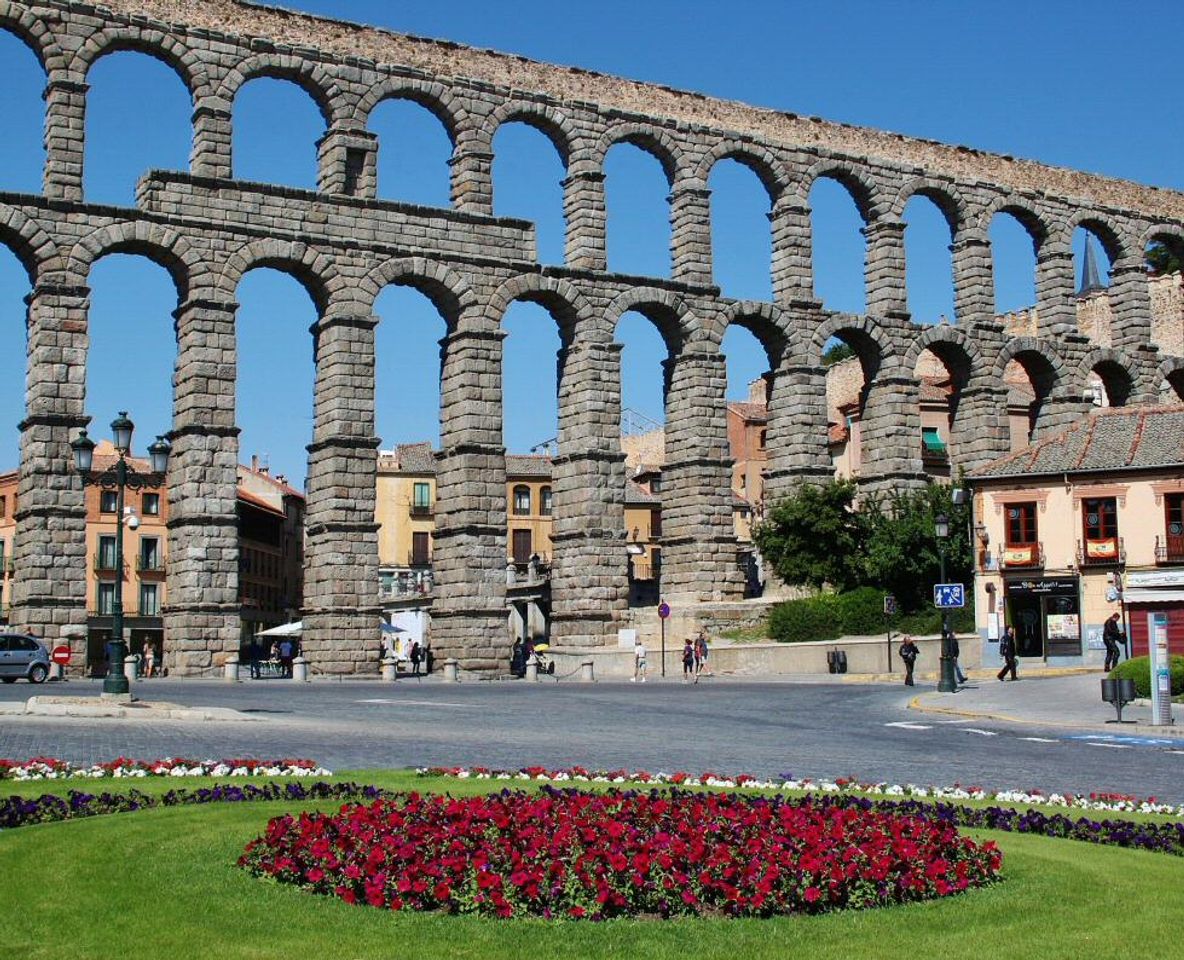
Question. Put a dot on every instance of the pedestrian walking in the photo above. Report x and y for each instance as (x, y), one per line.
(955, 650)
(700, 654)
(149, 660)
(688, 661)
(639, 664)
(1007, 652)
(417, 657)
(255, 652)
(285, 652)
(908, 656)
(1114, 639)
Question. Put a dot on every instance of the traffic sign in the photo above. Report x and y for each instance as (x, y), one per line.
(890, 607)
(61, 655)
(949, 595)
(663, 610)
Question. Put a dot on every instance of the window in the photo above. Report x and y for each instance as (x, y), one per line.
(106, 558)
(656, 485)
(1173, 550)
(421, 549)
(421, 498)
(760, 440)
(150, 505)
(522, 501)
(106, 599)
(108, 501)
(655, 523)
(1021, 523)
(522, 546)
(1100, 518)
(931, 442)
(545, 502)
(3, 506)
(150, 558)
(149, 599)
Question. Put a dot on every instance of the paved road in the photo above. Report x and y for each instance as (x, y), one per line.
(768, 729)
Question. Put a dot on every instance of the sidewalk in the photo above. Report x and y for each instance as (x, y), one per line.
(1053, 701)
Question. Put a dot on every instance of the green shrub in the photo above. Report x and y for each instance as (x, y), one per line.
(861, 611)
(812, 618)
(928, 621)
(1139, 670)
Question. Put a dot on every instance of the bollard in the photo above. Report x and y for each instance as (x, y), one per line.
(55, 671)
(230, 668)
(532, 668)
(129, 669)
(587, 672)
(390, 669)
(300, 670)
(451, 671)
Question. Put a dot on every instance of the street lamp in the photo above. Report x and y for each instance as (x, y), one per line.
(946, 681)
(119, 477)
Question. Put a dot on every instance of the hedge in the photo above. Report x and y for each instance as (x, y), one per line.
(858, 612)
(812, 618)
(1139, 670)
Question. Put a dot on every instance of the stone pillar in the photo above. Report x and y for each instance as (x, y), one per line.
(974, 278)
(793, 268)
(1130, 304)
(65, 131)
(584, 213)
(690, 235)
(201, 613)
(1056, 302)
(796, 437)
(213, 129)
(472, 180)
(887, 291)
(347, 163)
(890, 432)
(589, 571)
(980, 431)
(341, 608)
(49, 556)
(469, 544)
(699, 552)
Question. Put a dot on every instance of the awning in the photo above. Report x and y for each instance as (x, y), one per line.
(283, 630)
(1148, 595)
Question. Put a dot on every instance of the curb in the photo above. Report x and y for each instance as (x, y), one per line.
(146, 711)
(1142, 728)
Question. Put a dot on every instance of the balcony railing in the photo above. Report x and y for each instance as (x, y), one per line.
(421, 510)
(642, 571)
(416, 586)
(150, 564)
(1021, 555)
(105, 564)
(1169, 549)
(1103, 552)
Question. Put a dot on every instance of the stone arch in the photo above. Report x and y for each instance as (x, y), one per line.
(310, 77)
(1044, 369)
(1162, 231)
(667, 311)
(1027, 216)
(448, 291)
(945, 196)
(768, 168)
(434, 97)
(869, 339)
(864, 190)
(32, 246)
(1114, 369)
(1019, 348)
(1111, 238)
(550, 122)
(563, 300)
(34, 33)
(315, 271)
(952, 346)
(649, 137)
(160, 46)
(158, 243)
(1171, 372)
(767, 322)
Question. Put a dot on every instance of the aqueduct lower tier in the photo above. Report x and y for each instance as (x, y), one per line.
(209, 229)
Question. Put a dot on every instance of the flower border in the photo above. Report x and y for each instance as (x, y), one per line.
(1097, 802)
(52, 768)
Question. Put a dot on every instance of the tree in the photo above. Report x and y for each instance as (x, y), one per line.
(815, 537)
(1163, 259)
(837, 353)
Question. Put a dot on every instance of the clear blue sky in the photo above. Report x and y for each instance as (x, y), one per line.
(1080, 84)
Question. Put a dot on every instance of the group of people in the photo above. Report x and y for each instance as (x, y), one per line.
(281, 651)
(415, 654)
(694, 659)
(909, 651)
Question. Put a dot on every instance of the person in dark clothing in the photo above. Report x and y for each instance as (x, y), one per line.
(955, 651)
(416, 657)
(908, 656)
(1007, 652)
(287, 654)
(1113, 638)
(688, 661)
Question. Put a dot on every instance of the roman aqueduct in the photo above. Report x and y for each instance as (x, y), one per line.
(208, 229)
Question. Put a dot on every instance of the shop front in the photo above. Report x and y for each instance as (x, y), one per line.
(1152, 592)
(1046, 615)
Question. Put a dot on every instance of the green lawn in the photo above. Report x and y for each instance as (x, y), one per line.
(170, 874)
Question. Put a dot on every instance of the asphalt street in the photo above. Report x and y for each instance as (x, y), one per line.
(767, 729)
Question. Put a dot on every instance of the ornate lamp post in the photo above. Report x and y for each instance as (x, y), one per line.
(119, 477)
(946, 682)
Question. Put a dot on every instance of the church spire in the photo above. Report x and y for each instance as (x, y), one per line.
(1091, 278)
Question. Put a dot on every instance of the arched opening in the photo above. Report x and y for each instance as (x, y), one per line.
(838, 247)
(1013, 254)
(530, 391)
(852, 360)
(528, 174)
(276, 372)
(741, 235)
(407, 414)
(129, 366)
(1092, 258)
(1029, 378)
(277, 124)
(1172, 390)
(942, 372)
(929, 265)
(1109, 385)
(636, 189)
(138, 118)
(14, 287)
(414, 148)
(22, 149)
(1165, 282)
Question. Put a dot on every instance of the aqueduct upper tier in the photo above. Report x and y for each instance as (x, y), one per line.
(209, 229)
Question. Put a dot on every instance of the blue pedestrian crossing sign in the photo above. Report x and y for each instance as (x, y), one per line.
(948, 595)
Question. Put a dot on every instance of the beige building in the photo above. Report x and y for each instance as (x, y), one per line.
(1081, 525)
(8, 484)
(405, 506)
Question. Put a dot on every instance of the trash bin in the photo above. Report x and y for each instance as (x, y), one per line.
(832, 661)
(840, 661)
(1119, 693)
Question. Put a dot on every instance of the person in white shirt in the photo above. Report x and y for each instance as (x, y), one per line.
(638, 662)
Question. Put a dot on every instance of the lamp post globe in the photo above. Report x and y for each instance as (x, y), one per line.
(84, 452)
(947, 682)
(158, 454)
(121, 433)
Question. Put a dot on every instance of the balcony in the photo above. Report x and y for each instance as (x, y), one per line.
(105, 564)
(642, 571)
(149, 564)
(421, 510)
(1103, 552)
(415, 585)
(1169, 550)
(1021, 556)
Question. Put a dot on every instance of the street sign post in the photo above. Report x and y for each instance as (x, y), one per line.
(663, 616)
(890, 610)
(949, 596)
(61, 655)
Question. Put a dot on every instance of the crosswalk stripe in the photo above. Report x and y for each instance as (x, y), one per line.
(981, 733)
(1039, 740)
(903, 725)
(1112, 746)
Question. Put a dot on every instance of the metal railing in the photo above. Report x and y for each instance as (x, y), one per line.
(1103, 552)
(642, 571)
(105, 564)
(1169, 550)
(149, 564)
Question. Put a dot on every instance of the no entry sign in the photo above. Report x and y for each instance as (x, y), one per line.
(61, 655)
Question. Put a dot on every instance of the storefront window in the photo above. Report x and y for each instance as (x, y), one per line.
(1046, 616)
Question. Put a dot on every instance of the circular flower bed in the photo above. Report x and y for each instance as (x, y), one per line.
(568, 853)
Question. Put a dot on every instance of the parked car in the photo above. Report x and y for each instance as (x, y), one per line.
(22, 656)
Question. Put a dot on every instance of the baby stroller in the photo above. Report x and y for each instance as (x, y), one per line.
(546, 664)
